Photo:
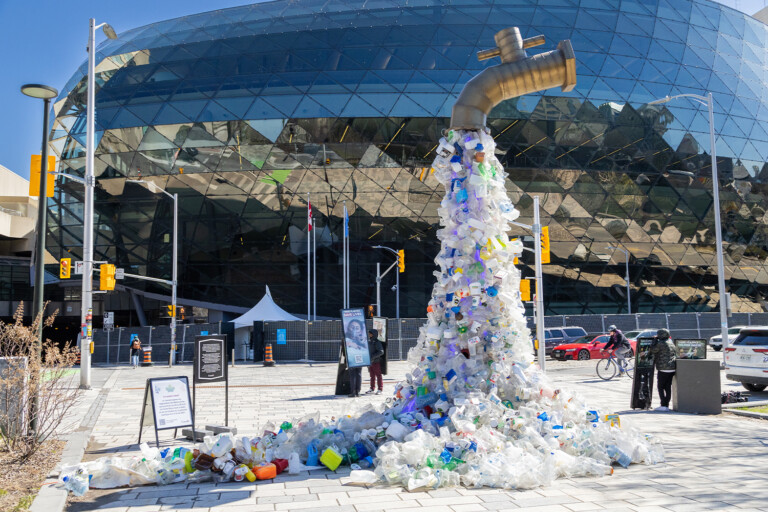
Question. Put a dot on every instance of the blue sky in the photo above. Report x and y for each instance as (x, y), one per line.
(44, 42)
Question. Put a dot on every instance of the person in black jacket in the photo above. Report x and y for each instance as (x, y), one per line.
(376, 350)
(620, 343)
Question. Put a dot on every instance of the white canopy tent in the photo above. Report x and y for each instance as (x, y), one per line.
(265, 311)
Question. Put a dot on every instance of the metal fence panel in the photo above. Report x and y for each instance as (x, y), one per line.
(590, 323)
(709, 320)
(652, 321)
(623, 322)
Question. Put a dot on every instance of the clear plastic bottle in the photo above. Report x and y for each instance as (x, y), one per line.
(76, 483)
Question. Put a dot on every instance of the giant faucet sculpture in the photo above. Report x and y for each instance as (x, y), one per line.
(474, 409)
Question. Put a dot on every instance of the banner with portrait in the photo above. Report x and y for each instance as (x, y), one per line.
(355, 337)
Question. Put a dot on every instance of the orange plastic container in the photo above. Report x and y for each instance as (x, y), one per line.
(265, 471)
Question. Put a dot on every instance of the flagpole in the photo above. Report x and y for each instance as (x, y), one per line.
(344, 254)
(309, 276)
(314, 270)
(349, 288)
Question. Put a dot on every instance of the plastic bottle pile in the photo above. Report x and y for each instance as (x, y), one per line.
(474, 411)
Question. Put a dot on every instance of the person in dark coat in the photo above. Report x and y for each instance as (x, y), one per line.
(376, 350)
(664, 358)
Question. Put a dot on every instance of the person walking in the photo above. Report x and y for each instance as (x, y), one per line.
(376, 351)
(664, 358)
(135, 350)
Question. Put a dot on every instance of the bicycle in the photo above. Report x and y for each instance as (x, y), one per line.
(608, 368)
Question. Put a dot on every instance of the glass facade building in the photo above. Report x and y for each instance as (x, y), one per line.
(244, 112)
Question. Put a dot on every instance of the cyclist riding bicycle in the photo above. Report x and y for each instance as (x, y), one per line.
(620, 344)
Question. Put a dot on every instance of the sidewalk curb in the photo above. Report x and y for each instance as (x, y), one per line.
(54, 499)
(748, 414)
(739, 405)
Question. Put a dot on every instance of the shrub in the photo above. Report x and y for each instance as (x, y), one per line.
(28, 370)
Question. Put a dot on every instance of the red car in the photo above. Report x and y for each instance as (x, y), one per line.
(586, 347)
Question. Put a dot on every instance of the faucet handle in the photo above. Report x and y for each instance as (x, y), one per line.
(527, 43)
(534, 41)
(488, 54)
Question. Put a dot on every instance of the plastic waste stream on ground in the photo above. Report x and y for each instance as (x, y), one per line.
(474, 410)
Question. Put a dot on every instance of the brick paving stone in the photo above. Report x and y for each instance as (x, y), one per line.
(450, 501)
(500, 505)
(580, 507)
(470, 507)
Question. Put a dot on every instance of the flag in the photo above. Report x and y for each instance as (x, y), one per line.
(346, 222)
(309, 216)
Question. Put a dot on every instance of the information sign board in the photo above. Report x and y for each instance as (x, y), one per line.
(282, 337)
(167, 405)
(210, 359)
(355, 338)
(691, 349)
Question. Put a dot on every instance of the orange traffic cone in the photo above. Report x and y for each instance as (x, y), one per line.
(268, 361)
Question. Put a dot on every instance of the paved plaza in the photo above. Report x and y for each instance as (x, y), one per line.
(713, 462)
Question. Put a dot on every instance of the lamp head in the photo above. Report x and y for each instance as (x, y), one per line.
(43, 92)
(665, 99)
(109, 31)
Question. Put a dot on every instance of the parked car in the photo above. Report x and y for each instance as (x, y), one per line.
(746, 360)
(554, 336)
(716, 342)
(586, 347)
(647, 333)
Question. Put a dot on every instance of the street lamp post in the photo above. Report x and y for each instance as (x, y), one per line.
(707, 100)
(626, 275)
(174, 278)
(86, 304)
(46, 93)
(378, 283)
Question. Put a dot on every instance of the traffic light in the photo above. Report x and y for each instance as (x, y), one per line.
(65, 268)
(525, 290)
(107, 277)
(545, 244)
(401, 260)
(34, 176)
(171, 310)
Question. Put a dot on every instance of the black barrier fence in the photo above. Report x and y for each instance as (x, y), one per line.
(113, 346)
(321, 340)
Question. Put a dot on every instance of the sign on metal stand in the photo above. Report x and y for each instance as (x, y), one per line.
(642, 384)
(210, 366)
(166, 405)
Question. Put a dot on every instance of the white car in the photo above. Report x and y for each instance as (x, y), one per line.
(746, 360)
(716, 342)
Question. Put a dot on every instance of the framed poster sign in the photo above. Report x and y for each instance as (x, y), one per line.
(380, 324)
(355, 338)
(210, 358)
(167, 405)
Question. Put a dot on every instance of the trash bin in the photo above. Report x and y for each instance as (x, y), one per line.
(696, 388)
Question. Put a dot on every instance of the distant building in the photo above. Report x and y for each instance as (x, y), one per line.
(245, 111)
